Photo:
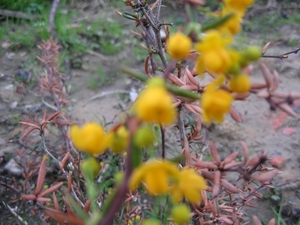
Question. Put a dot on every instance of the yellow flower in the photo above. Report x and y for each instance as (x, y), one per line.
(155, 175)
(91, 138)
(240, 83)
(155, 104)
(214, 56)
(189, 185)
(213, 40)
(179, 46)
(217, 61)
(233, 25)
(215, 103)
(120, 140)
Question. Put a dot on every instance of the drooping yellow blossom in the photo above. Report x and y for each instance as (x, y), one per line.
(155, 176)
(181, 214)
(188, 185)
(155, 104)
(214, 56)
(120, 140)
(240, 83)
(90, 138)
(215, 102)
(179, 46)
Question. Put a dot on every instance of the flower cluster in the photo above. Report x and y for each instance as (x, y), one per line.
(179, 45)
(162, 177)
(219, 58)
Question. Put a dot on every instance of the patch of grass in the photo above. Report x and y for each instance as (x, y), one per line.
(24, 34)
(22, 37)
(267, 22)
(292, 42)
(67, 32)
(278, 214)
(99, 79)
(31, 7)
(105, 36)
(92, 83)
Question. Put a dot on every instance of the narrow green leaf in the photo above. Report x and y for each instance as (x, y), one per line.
(77, 209)
(216, 23)
(183, 93)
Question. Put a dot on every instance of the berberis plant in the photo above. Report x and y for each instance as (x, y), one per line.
(122, 174)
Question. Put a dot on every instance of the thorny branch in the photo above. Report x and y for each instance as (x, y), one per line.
(152, 28)
(282, 56)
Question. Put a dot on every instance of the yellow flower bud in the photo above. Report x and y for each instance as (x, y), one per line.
(90, 167)
(240, 83)
(234, 69)
(119, 177)
(144, 137)
(120, 140)
(181, 214)
(179, 46)
(252, 53)
(151, 222)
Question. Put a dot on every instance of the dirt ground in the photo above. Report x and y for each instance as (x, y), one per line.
(257, 128)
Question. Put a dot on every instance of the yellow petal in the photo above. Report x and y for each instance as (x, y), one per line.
(157, 182)
(76, 137)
